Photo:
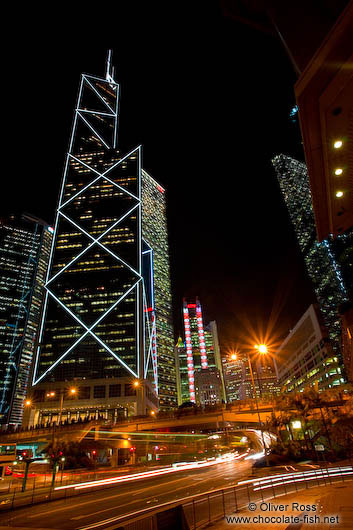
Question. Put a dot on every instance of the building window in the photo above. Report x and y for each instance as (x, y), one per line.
(38, 396)
(99, 391)
(84, 392)
(114, 390)
(130, 390)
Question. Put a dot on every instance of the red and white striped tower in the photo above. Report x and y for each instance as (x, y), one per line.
(189, 356)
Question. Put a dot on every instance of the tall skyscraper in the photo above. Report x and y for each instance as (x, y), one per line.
(106, 306)
(201, 352)
(24, 254)
(181, 366)
(328, 263)
(157, 282)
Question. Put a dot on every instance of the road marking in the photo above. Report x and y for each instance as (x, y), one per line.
(156, 486)
(67, 507)
(79, 504)
(147, 500)
(117, 518)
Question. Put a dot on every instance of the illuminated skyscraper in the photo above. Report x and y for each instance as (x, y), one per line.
(159, 304)
(234, 374)
(107, 320)
(329, 263)
(201, 351)
(24, 254)
(181, 366)
(238, 381)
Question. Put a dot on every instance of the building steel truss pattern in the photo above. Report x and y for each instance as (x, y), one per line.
(93, 96)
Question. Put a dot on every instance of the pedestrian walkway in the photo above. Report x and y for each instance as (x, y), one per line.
(329, 507)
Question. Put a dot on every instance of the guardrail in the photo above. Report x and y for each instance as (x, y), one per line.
(195, 512)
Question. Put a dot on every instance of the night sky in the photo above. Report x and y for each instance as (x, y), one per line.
(209, 100)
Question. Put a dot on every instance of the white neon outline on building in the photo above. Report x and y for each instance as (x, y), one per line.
(89, 331)
(152, 349)
(59, 213)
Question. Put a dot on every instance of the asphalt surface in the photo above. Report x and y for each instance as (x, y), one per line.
(83, 510)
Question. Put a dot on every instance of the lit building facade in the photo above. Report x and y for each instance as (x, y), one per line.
(329, 263)
(238, 382)
(347, 341)
(181, 366)
(306, 358)
(159, 304)
(24, 255)
(234, 374)
(208, 387)
(104, 311)
(200, 352)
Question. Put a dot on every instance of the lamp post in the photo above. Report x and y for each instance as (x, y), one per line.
(27, 416)
(140, 396)
(52, 394)
(262, 348)
(62, 467)
(72, 392)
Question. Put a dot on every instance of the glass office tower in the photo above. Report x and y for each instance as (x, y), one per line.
(157, 281)
(328, 263)
(97, 327)
(24, 254)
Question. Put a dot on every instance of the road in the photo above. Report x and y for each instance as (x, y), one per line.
(80, 511)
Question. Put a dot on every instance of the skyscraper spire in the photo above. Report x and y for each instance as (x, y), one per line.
(109, 70)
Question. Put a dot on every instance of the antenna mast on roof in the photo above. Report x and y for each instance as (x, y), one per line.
(109, 71)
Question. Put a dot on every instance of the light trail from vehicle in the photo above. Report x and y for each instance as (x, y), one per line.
(328, 475)
(274, 480)
(229, 457)
(270, 477)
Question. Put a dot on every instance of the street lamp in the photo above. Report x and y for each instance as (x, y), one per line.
(139, 385)
(263, 350)
(71, 391)
(28, 403)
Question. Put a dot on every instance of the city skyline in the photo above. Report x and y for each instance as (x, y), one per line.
(176, 344)
(265, 242)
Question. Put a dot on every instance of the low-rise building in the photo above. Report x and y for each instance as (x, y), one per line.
(305, 358)
(208, 387)
(62, 402)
